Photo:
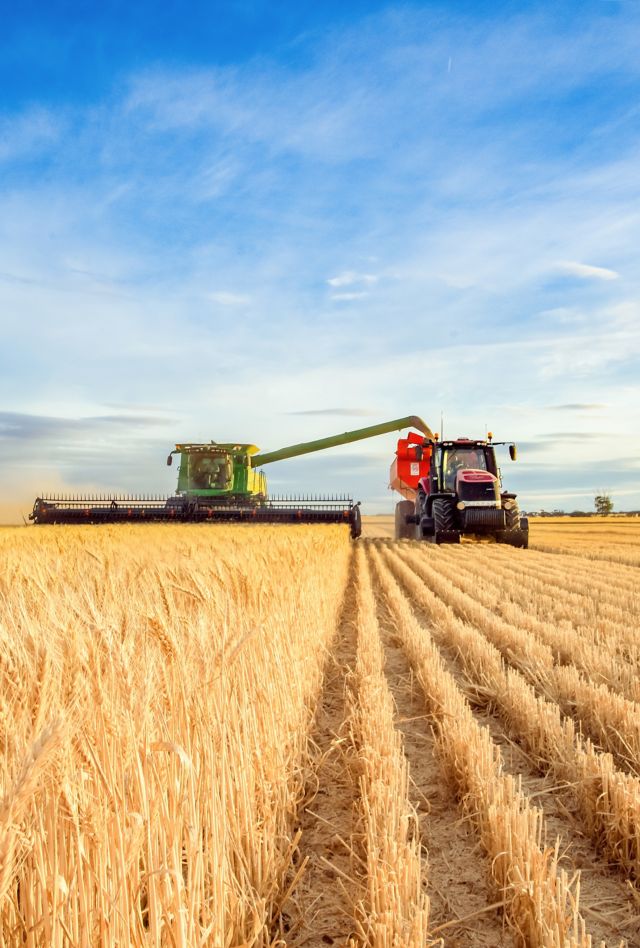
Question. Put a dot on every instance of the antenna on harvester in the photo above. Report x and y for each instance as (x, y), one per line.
(441, 425)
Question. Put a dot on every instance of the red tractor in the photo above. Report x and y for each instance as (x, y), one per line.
(454, 488)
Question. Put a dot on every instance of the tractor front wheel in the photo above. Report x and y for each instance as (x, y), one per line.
(514, 535)
(444, 521)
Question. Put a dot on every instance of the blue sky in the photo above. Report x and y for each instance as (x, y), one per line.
(273, 221)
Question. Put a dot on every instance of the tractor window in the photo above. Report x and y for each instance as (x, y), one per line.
(457, 459)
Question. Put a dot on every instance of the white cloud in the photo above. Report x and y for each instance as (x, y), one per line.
(587, 272)
(350, 277)
(345, 297)
(230, 299)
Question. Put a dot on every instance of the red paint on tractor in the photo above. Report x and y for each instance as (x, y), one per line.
(410, 465)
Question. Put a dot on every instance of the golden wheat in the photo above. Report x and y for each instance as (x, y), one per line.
(159, 689)
(186, 664)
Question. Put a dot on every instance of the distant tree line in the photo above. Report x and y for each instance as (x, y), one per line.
(603, 507)
(578, 513)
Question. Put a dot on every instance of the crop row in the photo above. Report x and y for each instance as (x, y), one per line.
(609, 800)
(540, 902)
(583, 680)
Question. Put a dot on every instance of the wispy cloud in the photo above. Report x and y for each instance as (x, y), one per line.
(31, 132)
(577, 406)
(346, 297)
(353, 412)
(20, 426)
(587, 271)
(351, 277)
(230, 299)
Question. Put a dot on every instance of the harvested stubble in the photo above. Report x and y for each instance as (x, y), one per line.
(540, 902)
(608, 718)
(605, 647)
(597, 603)
(601, 577)
(608, 800)
(615, 539)
(395, 913)
(172, 674)
(566, 644)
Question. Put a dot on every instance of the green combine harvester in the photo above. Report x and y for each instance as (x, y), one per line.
(223, 483)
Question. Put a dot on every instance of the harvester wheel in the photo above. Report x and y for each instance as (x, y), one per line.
(356, 522)
(404, 530)
(444, 521)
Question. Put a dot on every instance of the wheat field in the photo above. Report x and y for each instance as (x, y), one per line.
(272, 736)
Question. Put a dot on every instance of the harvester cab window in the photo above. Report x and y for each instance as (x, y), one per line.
(457, 459)
(210, 472)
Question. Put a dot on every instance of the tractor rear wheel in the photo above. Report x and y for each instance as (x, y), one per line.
(444, 521)
(404, 530)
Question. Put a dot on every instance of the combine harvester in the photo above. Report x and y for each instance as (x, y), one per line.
(454, 489)
(221, 482)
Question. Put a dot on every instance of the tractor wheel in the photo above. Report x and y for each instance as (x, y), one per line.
(419, 507)
(404, 530)
(444, 521)
(514, 535)
(512, 516)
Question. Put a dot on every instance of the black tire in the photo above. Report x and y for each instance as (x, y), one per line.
(419, 510)
(512, 515)
(356, 522)
(444, 521)
(404, 530)
(514, 535)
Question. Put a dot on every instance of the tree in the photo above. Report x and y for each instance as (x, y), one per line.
(603, 504)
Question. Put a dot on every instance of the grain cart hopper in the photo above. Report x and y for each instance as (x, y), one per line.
(454, 488)
(223, 482)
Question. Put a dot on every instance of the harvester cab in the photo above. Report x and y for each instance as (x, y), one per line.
(454, 488)
(211, 471)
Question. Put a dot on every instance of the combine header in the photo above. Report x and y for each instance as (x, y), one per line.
(224, 483)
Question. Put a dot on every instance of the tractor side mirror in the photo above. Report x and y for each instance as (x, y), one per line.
(169, 460)
(418, 452)
(513, 452)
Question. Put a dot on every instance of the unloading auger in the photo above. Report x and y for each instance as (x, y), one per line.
(224, 483)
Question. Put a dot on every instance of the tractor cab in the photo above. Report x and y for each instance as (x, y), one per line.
(463, 455)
